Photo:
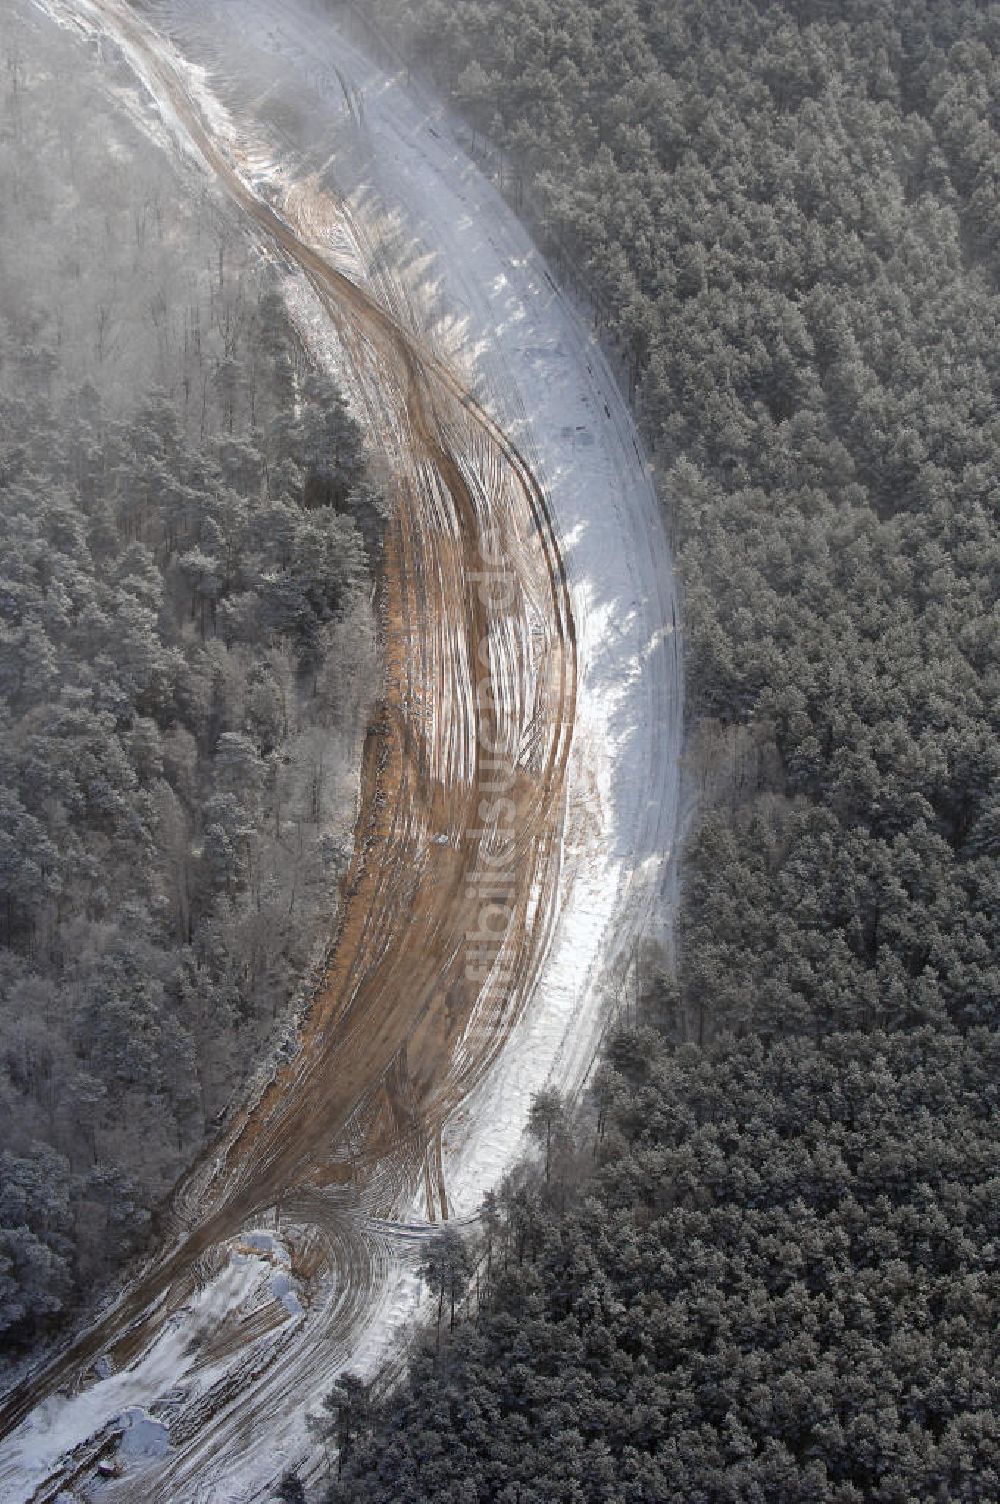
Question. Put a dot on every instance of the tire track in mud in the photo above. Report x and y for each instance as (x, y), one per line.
(464, 769)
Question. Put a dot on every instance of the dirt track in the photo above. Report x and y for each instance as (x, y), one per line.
(463, 780)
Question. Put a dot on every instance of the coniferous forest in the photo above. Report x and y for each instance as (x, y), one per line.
(759, 1263)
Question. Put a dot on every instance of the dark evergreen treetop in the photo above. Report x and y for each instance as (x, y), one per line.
(779, 1285)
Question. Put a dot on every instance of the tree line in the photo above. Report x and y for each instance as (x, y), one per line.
(775, 1283)
(186, 657)
(771, 1284)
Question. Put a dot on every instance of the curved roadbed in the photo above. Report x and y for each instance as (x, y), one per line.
(519, 792)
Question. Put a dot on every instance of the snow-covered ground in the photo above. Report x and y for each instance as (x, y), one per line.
(302, 110)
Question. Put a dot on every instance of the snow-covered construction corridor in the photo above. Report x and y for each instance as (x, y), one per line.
(519, 789)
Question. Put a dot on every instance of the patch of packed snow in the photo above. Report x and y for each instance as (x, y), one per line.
(123, 1401)
(143, 1438)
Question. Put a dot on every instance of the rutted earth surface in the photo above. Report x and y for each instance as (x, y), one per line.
(518, 792)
